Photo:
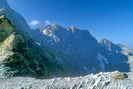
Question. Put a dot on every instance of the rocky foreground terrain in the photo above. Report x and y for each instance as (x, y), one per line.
(114, 80)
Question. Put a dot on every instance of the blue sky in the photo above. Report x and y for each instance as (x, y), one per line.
(111, 19)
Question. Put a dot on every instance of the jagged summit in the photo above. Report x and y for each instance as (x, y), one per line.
(72, 28)
(59, 27)
(52, 26)
(50, 29)
(55, 26)
(110, 45)
(105, 41)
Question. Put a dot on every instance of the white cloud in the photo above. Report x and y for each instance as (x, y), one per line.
(34, 22)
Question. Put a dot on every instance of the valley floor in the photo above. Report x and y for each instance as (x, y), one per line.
(98, 81)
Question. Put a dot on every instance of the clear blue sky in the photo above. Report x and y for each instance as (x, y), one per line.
(111, 19)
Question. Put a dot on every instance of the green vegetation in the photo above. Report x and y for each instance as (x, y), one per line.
(26, 58)
(119, 75)
(5, 28)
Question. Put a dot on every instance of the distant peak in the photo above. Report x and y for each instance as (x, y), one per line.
(72, 28)
(55, 25)
(52, 26)
(123, 46)
(105, 41)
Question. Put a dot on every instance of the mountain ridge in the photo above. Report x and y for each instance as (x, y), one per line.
(105, 47)
(57, 57)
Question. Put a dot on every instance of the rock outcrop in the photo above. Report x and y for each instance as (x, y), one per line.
(108, 80)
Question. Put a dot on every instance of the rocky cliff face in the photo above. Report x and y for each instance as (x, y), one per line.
(79, 46)
(82, 48)
(115, 56)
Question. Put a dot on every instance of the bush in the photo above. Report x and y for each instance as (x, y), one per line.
(119, 75)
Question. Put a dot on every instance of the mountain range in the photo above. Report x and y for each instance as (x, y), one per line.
(74, 48)
(54, 50)
(86, 54)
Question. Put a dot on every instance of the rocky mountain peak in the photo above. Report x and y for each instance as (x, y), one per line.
(105, 41)
(55, 25)
(52, 27)
(108, 45)
(72, 28)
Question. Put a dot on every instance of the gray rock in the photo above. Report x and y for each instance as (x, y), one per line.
(97, 81)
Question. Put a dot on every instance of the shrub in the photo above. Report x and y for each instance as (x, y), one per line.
(119, 75)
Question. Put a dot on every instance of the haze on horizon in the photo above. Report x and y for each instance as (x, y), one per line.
(110, 19)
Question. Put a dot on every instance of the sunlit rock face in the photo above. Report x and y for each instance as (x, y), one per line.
(6, 38)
